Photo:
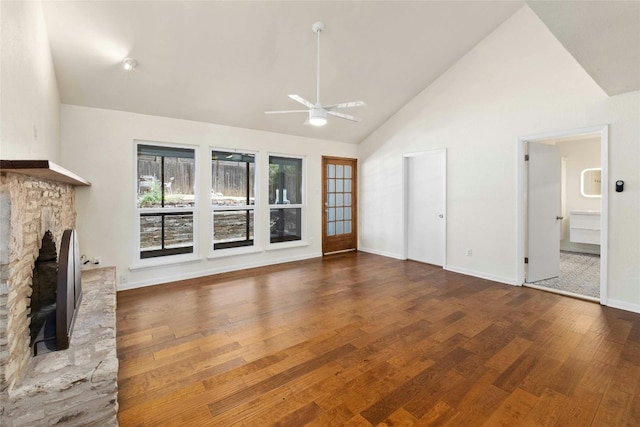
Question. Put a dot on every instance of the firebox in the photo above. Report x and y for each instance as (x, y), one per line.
(56, 293)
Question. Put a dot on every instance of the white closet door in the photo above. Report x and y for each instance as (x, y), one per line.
(426, 204)
(543, 212)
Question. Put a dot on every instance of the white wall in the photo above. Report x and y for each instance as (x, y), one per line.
(99, 146)
(519, 81)
(30, 104)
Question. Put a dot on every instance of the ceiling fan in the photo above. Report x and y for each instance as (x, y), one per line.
(318, 112)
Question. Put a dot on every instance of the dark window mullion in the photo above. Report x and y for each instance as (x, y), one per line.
(248, 197)
(162, 231)
(162, 181)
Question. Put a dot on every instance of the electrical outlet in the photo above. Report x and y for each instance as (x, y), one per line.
(97, 260)
(468, 252)
(123, 280)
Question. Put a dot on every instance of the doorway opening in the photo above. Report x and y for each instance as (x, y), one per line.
(562, 215)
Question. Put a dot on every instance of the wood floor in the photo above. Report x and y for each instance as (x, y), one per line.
(362, 340)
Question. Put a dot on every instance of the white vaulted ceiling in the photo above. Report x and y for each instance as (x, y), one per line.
(603, 36)
(227, 62)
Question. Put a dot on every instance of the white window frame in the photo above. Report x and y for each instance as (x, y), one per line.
(302, 206)
(220, 252)
(140, 262)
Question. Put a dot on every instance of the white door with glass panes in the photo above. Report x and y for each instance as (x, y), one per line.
(339, 209)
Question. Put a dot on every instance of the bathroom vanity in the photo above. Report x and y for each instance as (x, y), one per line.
(584, 227)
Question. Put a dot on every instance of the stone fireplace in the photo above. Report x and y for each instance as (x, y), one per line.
(37, 199)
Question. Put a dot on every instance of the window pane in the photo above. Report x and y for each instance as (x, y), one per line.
(347, 227)
(338, 199)
(347, 171)
(285, 224)
(347, 199)
(232, 226)
(232, 179)
(331, 185)
(339, 227)
(339, 185)
(179, 181)
(285, 180)
(331, 229)
(339, 214)
(178, 230)
(331, 171)
(331, 200)
(166, 177)
(331, 214)
(150, 232)
(347, 213)
(347, 186)
(339, 171)
(149, 191)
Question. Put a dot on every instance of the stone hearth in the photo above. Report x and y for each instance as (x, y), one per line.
(77, 386)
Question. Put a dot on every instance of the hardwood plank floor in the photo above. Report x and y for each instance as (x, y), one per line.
(361, 340)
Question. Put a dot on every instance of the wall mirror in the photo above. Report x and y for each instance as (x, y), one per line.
(591, 182)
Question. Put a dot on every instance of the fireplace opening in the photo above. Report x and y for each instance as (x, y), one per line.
(43, 292)
(56, 293)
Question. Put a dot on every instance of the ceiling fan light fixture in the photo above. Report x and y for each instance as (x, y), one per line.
(317, 117)
(318, 112)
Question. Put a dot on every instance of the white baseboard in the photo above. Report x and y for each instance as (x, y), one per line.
(482, 275)
(623, 305)
(381, 253)
(212, 271)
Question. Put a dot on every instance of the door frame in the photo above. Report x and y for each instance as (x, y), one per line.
(603, 131)
(405, 201)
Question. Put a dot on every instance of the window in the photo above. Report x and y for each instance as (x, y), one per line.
(285, 199)
(232, 199)
(165, 200)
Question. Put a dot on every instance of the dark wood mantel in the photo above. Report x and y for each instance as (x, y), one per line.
(43, 169)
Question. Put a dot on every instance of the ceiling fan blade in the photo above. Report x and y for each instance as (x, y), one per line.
(351, 104)
(286, 111)
(344, 116)
(301, 100)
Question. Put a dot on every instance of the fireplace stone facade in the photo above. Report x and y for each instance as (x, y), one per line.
(77, 386)
(30, 207)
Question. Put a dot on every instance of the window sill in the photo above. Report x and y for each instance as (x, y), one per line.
(162, 261)
(223, 253)
(287, 245)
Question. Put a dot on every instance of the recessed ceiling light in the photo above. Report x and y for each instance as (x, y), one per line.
(129, 64)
